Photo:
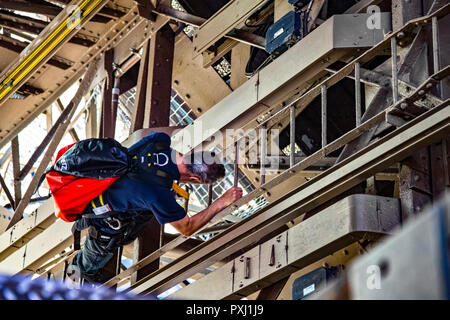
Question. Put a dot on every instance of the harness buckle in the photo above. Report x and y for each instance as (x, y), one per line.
(113, 223)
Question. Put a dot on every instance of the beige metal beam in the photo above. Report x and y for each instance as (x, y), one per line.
(118, 35)
(43, 47)
(351, 219)
(223, 22)
(26, 229)
(283, 76)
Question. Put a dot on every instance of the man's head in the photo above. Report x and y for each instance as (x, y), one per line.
(200, 167)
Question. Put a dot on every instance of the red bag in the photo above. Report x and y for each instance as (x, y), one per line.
(72, 194)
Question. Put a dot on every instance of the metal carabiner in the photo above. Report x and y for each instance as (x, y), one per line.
(115, 220)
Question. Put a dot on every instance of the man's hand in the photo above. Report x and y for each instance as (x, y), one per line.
(230, 196)
(189, 225)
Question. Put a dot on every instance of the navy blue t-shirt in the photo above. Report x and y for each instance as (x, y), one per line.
(126, 195)
(132, 197)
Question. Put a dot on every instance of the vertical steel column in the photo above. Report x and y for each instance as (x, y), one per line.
(186, 201)
(263, 146)
(152, 109)
(358, 93)
(91, 125)
(324, 115)
(137, 121)
(115, 95)
(159, 81)
(236, 164)
(394, 69)
(107, 130)
(109, 115)
(16, 170)
(292, 135)
(210, 194)
(435, 39)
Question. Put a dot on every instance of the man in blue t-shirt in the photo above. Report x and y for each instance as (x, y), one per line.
(130, 203)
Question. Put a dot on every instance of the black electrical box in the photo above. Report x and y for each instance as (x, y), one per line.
(284, 33)
(313, 282)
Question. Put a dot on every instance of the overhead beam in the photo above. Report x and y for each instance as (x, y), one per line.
(42, 8)
(18, 47)
(130, 31)
(41, 49)
(104, 15)
(240, 35)
(34, 26)
(223, 22)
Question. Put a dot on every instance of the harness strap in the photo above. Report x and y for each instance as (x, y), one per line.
(76, 237)
(180, 191)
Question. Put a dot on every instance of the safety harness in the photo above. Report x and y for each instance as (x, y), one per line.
(83, 171)
(103, 210)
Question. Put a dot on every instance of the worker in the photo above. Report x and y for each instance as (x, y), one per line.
(128, 205)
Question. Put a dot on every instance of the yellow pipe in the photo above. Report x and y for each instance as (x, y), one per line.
(48, 49)
(44, 43)
(51, 47)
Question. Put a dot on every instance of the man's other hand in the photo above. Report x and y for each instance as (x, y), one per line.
(230, 196)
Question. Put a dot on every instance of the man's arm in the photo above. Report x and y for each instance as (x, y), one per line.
(189, 225)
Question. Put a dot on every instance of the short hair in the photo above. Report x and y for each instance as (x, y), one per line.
(205, 166)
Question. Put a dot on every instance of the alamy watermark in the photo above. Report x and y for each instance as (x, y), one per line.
(373, 281)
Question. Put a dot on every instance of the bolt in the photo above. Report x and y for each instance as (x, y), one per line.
(403, 105)
(429, 85)
(421, 92)
(401, 35)
(416, 178)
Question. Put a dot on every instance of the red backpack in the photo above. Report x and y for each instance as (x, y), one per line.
(72, 194)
